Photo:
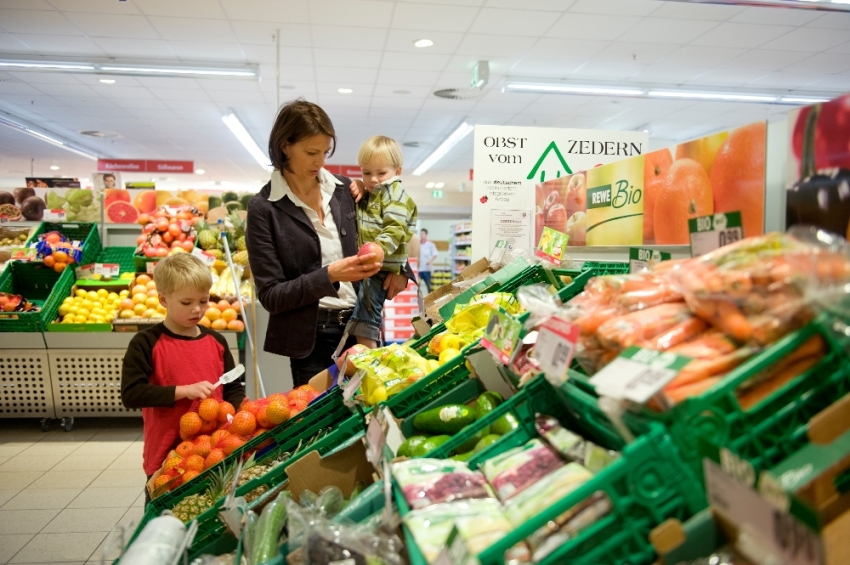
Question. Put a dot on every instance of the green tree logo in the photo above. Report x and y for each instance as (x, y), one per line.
(555, 166)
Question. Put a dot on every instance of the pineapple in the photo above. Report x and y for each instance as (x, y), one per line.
(236, 234)
(194, 505)
(207, 235)
(241, 258)
(250, 472)
(240, 244)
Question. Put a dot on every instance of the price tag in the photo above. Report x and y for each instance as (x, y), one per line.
(390, 517)
(642, 260)
(209, 260)
(502, 336)
(84, 271)
(556, 343)
(552, 245)
(778, 532)
(376, 439)
(4, 220)
(710, 232)
(499, 251)
(352, 386)
(107, 269)
(56, 215)
(150, 266)
(638, 374)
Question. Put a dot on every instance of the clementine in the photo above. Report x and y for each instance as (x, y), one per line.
(737, 177)
(655, 167)
(685, 194)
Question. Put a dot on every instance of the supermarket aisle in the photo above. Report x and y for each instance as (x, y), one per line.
(62, 492)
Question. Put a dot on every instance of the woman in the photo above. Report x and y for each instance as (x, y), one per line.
(302, 244)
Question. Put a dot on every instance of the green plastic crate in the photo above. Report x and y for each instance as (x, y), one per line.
(606, 267)
(85, 233)
(647, 485)
(39, 284)
(772, 429)
(122, 256)
(463, 393)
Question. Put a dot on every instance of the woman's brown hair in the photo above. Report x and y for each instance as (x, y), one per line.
(295, 121)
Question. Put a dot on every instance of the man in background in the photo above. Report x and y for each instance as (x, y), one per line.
(427, 254)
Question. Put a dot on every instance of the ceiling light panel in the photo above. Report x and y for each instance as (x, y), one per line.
(200, 70)
(827, 5)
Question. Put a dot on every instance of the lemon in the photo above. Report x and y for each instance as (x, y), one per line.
(98, 312)
(378, 395)
(83, 312)
(112, 295)
(68, 300)
(447, 355)
(91, 295)
(433, 365)
(64, 309)
(81, 293)
(124, 294)
(80, 319)
(87, 304)
(102, 292)
(68, 319)
(451, 341)
(73, 310)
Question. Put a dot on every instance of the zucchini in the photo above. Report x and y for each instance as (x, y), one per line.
(268, 529)
(448, 419)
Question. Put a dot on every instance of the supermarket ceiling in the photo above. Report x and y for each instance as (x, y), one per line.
(368, 47)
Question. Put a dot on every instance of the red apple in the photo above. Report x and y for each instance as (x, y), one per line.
(372, 247)
(346, 355)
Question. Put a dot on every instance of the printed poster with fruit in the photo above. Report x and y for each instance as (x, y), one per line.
(539, 170)
(35, 204)
(818, 175)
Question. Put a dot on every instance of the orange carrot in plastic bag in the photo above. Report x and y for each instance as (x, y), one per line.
(679, 333)
(628, 329)
(777, 380)
(675, 395)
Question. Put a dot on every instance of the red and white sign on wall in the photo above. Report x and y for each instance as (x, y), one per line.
(345, 170)
(143, 166)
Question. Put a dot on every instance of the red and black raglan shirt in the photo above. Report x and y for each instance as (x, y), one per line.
(156, 362)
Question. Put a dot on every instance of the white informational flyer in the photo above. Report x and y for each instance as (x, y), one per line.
(514, 227)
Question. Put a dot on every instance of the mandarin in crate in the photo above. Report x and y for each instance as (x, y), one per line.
(203, 445)
(244, 423)
(172, 462)
(193, 463)
(225, 408)
(208, 410)
(249, 406)
(161, 481)
(190, 423)
(189, 475)
(263, 418)
(259, 432)
(208, 427)
(185, 449)
(217, 437)
(216, 456)
(143, 279)
(232, 443)
(278, 411)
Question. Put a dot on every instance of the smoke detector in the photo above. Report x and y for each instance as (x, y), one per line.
(459, 93)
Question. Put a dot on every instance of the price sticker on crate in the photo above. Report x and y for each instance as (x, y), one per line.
(711, 232)
(208, 260)
(4, 220)
(502, 336)
(107, 269)
(55, 215)
(84, 271)
(638, 374)
(642, 260)
(556, 344)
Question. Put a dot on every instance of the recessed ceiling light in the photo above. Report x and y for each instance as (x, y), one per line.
(429, 185)
(440, 185)
(199, 171)
(423, 43)
(54, 168)
(107, 81)
(344, 90)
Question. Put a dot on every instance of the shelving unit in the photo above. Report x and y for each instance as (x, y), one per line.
(460, 247)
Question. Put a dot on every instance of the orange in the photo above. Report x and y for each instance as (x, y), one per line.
(235, 325)
(59, 267)
(208, 410)
(218, 325)
(655, 167)
(204, 322)
(685, 194)
(229, 314)
(703, 150)
(152, 302)
(225, 408)
(737, 177)
(139, 289)
(49, 261)
(139, 298)
(186, 448)
(223, 305)
(244, 423)
(149, 285)
(213, 313)
(60, 256)
(143, 279)
(140, 308)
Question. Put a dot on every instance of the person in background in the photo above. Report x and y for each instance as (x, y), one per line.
(427, 254)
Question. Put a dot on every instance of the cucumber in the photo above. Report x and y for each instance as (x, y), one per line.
(470, 444)
(268, 529)
(330, 501)
(430, 445)
(505, 424)
(409, 446)
(486, 403)
(463, 456)
(486, 442)
(448, 419)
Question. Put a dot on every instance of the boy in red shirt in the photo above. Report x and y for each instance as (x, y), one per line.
(171, 364)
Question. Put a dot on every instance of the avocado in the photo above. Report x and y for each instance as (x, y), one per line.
(463, 456)
(505, 424)
(229, 197)
(430, 445)
(407, 448)
(486, 403)
(486, 442)
(448, 419)
(470, 444)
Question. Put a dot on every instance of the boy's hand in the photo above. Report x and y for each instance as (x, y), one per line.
(358, 189)
(198, 391)
(394, 284)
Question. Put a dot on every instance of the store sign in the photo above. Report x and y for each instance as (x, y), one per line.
(436, 194)
(352, 171)
(638, 374)
(143, 166)
(710, 232)
(642, 260)
(521, 168)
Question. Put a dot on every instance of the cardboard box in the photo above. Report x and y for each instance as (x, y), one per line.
(443, 295)
(343, 469)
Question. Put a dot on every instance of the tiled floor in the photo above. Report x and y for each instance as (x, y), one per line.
(61, 493)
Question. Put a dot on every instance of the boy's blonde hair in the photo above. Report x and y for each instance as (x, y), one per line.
(181, 270)
(380, 149)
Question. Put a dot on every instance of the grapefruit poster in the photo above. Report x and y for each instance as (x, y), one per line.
(129, 205)
(818, 175)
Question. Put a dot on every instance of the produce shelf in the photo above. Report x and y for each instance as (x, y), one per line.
(85, 233)
(123, 256)
(87, 383)
(25, 388)
(38, 284)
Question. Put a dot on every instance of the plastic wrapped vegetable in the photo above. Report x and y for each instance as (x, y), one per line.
(156, 543)
(573, 447)
(516, 469)
(474, 316)
(542, 494)
(569, 524)
(268, 529)
(430, 481)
